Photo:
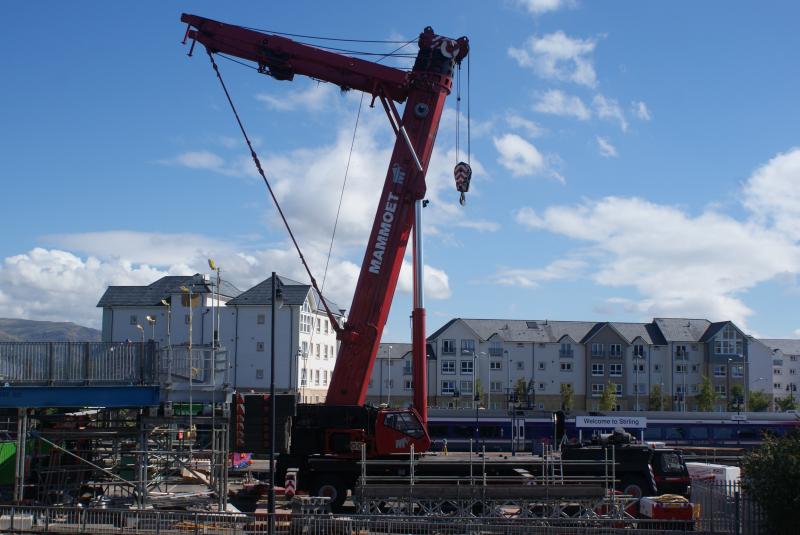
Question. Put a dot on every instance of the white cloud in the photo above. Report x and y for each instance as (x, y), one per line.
(608, 108)
(556, 56)
(530, 128)
(681, 264)
(556, 102)
(315, 97)
(773, 192)
(641, 111)
(538, 7)
(797, 332)
(605, 147)
(518, 156)
(531, 278)
(198, 160)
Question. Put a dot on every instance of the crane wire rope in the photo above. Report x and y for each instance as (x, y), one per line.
(260, 169)
(347, 167)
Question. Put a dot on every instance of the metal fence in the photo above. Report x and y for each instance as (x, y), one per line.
(15, 519)
(77, 363)
(726, 508)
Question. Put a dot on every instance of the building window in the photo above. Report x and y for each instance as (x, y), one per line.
(639, 388)
(496, 348)
(520, 365)
(406, 367)
(777, 371)
(737, 370)
(566, 350)
(728, 342)
(259, 346)
(680, 352)
(695, 368)
(720, 371)
(303, 376)
(448, 347)
(466, 367)
(305, 350)
(542, 365)
(793, 358)
(448, 387)
(316, 377)
(448, 366)
(615, 370)
(638, 350)
(614, 350)
(656, 367)
(317, 355)
(496, 386)
(792, 371)
(318, 325)
(618, 390)
(597, 350)
(693, 388)
(566, 366)
(467, 346)
(597, 370)
(540, 386)
(324, 377)
(638, 368)
(187, 319)
(777, 386)
(496, 365)
(261, 319)
(407, 384)
(598, 388)
(681, 368)
(720, 390)
(305, 322)
(466, 387)
(259, 373)
(325, 352)
(326, 326)
(134, 319)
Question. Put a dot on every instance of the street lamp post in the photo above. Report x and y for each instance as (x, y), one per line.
(169, 322)
(475, 396)
(389, 380)
(728, 386)
(152, 321)
(276, 303)
(141, 330)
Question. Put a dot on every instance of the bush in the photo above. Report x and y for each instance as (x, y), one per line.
(770, 475)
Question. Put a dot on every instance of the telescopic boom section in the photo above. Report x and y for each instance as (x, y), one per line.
(424, 89)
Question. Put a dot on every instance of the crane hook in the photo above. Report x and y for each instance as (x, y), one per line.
(462, 174)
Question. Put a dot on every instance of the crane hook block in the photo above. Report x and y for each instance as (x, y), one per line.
(462, 174)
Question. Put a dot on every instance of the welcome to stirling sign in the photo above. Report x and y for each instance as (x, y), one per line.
(631, 422)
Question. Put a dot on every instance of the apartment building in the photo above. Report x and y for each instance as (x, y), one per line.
(785, 360)
(167, 310)
(531, 361)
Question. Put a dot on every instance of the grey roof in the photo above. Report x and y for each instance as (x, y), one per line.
(647, 331)
(398, 351)
(152, 294)
(294, 294)
(537, 331)
(682, 329)
(787, 346)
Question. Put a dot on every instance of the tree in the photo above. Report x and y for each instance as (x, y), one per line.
(759, 401)
(567, 397)
(770, 474)
(706, 396)
(736, 397)
(786, 404)
(655, 402)
(609, 398)
(521, 389)
(479, 392)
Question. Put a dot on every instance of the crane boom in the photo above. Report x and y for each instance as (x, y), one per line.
(424, 90)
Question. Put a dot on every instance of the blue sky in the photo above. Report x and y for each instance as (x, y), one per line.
(633, 159)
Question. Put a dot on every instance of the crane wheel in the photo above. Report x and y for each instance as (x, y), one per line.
(331, 486)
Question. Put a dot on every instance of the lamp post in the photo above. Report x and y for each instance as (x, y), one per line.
(141, 330)
(277, 302)
(188, 291)
(215, 321)
(475, 396)
(169, 322)
(152, 321)
(728, 386)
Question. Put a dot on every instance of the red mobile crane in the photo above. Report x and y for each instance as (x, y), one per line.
(333, 429)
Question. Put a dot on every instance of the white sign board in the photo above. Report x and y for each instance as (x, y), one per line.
(626, 422)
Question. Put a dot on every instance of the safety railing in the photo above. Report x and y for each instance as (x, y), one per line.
(77, 363)
(16, 519)
(726, 508)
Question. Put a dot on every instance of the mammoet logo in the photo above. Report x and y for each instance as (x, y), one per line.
(387, 219)
(398, 175)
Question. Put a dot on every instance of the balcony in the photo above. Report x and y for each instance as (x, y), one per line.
(566, 353)
(495, 351)
(598, 353)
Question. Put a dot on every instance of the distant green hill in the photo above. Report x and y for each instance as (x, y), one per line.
(15, 330)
